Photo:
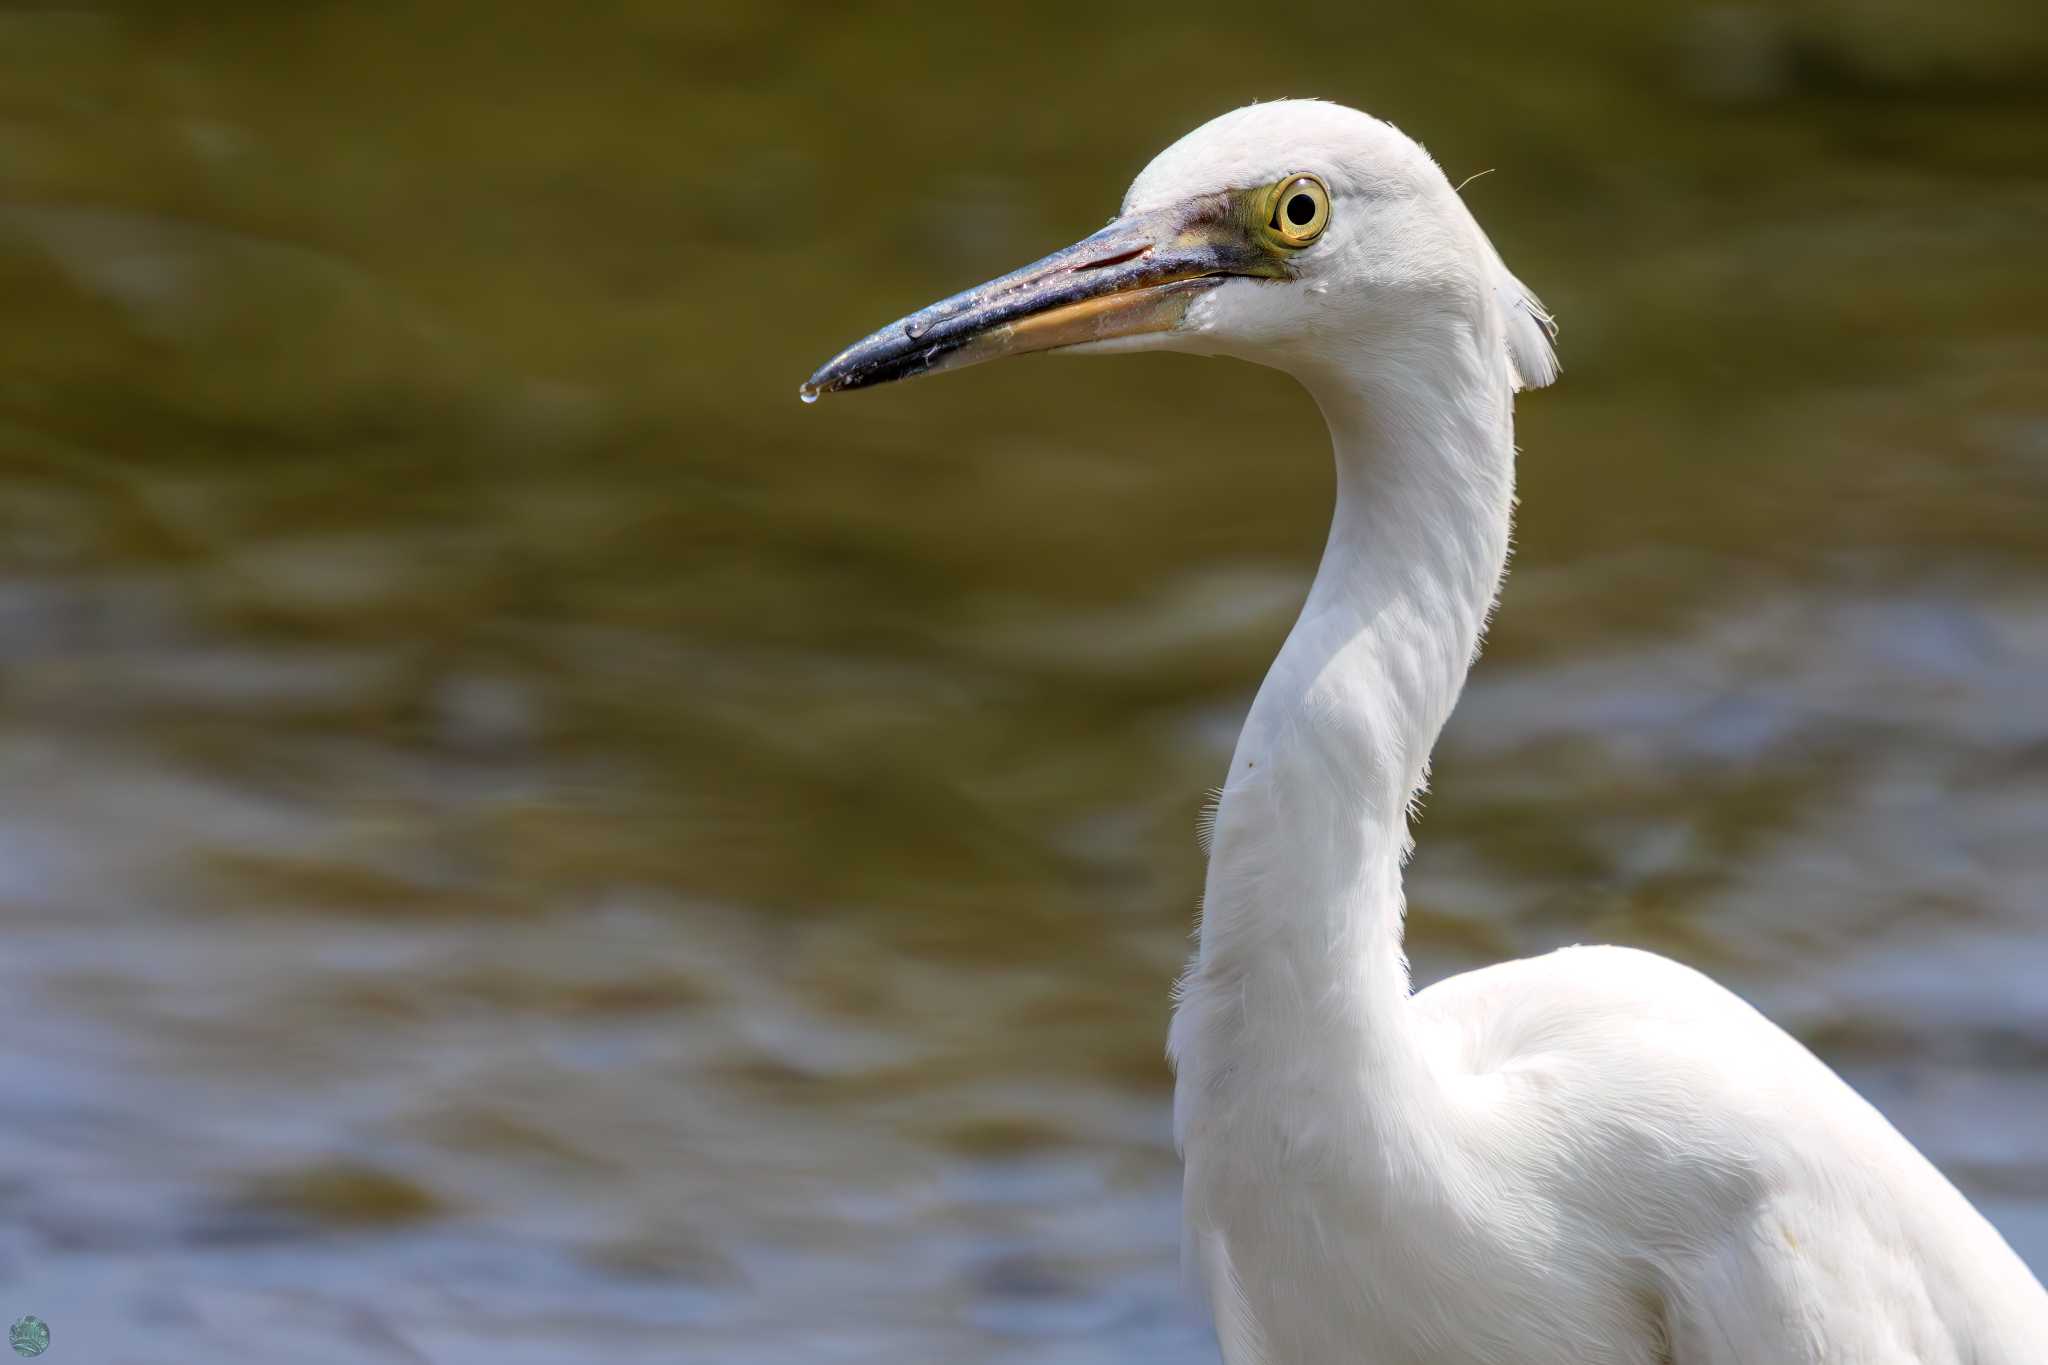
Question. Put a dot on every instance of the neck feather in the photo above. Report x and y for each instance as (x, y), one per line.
(1301, 930)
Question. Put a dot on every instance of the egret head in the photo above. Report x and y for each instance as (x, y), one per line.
(1297, 234)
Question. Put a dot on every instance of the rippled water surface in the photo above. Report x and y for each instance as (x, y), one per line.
(519, 841)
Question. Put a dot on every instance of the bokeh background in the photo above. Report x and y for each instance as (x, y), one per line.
(518, 841)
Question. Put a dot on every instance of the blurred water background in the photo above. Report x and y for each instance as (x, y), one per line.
(520, 842)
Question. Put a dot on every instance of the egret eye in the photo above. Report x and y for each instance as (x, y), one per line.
(1301, 210)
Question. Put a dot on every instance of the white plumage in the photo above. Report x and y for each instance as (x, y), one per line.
(1597, 1157)
(1593, 1157)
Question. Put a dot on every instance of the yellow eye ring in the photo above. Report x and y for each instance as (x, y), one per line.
(1299, 210)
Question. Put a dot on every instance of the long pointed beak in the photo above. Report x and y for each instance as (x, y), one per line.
(1137, 275)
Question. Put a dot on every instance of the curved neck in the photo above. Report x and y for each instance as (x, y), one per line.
(1301, 928)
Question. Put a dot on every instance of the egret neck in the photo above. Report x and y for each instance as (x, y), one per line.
(1300, 984)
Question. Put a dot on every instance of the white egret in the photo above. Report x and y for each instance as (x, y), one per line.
(1596, 1157)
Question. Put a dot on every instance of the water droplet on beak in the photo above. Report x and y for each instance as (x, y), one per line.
(916, 328)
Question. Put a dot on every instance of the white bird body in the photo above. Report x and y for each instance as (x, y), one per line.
(1597, 1157)
(1621, 1162)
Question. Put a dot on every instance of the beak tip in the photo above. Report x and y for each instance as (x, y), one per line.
(821, 383)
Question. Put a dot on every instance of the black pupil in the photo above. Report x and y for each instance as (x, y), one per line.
(1300, 209)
